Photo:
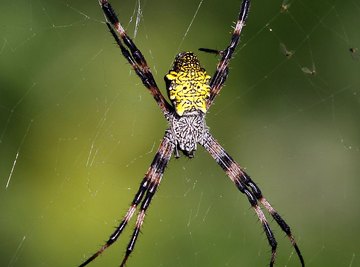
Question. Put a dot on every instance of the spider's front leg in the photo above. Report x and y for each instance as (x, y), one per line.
(247, 186)
(143, 196)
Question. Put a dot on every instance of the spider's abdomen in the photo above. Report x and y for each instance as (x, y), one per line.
(188, 84)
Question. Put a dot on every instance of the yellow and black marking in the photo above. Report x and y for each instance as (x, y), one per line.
(188, 84)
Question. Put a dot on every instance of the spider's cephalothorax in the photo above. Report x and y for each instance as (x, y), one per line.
(188, 89)
(187, 131)
(191, 92)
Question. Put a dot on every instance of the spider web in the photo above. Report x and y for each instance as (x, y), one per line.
(78, 131)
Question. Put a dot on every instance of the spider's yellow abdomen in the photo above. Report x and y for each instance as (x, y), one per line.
(188, 84)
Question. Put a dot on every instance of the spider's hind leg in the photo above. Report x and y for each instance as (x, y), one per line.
(211, 51)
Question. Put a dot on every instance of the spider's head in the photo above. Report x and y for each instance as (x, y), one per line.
(188, 84)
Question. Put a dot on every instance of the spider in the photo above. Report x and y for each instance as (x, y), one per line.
(192, 92)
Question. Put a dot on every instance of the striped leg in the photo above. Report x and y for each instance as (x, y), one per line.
(222, 69)
(246, 186)
(144, 195)
(133, 55)
(161, 161)
(280, 221)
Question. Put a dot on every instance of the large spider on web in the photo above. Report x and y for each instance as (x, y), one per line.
(192, 92)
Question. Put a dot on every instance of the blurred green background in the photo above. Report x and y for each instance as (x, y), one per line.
(78, 131)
